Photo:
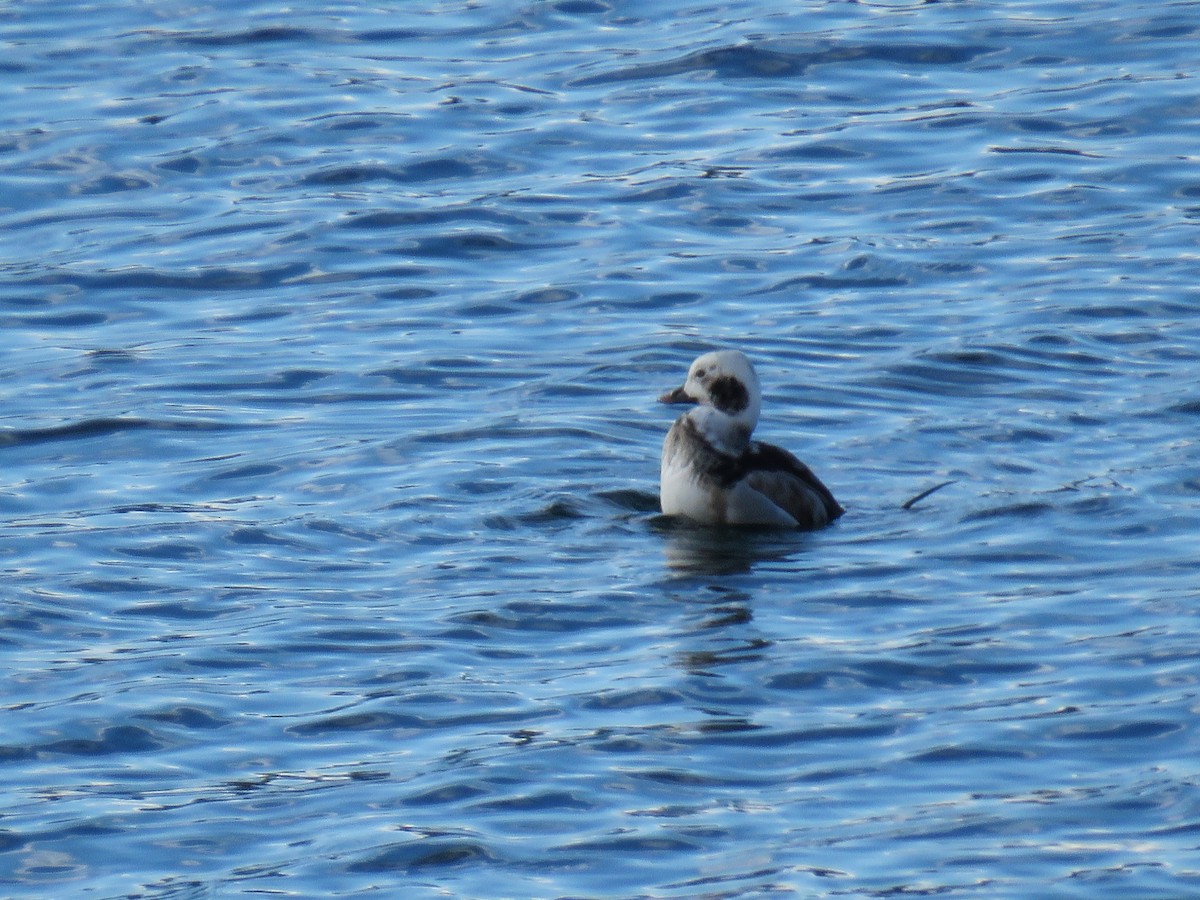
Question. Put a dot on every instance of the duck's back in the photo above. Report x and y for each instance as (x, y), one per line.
(790, 485)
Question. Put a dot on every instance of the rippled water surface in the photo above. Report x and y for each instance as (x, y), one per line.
(329, 450)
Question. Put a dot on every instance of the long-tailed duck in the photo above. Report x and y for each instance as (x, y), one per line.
(713, 473)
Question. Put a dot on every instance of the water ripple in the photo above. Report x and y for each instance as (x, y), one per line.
(331, 535)
(98, 428)
(752, 60)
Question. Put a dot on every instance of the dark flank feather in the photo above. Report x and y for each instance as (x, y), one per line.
(764, 460)
(771, 470)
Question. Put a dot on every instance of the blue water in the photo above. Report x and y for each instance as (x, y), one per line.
(328, 449)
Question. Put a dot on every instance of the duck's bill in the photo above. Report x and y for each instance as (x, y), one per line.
(676, 396)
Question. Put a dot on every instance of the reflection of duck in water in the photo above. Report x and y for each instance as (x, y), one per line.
(713, 473)
(717, 552)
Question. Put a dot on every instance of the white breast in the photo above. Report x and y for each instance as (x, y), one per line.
(682, 492)
(685, 492)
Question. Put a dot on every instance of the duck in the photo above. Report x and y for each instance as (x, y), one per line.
(713, 473)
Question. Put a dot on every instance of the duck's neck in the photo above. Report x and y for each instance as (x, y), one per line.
(726, 433)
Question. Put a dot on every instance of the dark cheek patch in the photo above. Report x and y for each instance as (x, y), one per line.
(728, 394)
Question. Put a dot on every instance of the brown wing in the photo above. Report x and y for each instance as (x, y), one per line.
(790, 484)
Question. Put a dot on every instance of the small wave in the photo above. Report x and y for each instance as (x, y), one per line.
(202, 279)
(471, 244)
(116, 739)
(838, 282)
(431, 853)
(756, 61)
(417, 217)
(1060, 151)
(102, 427)
(274, 34)
(430, 170)
(59, 320)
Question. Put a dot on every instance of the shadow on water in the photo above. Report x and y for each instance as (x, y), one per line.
(690, 549)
